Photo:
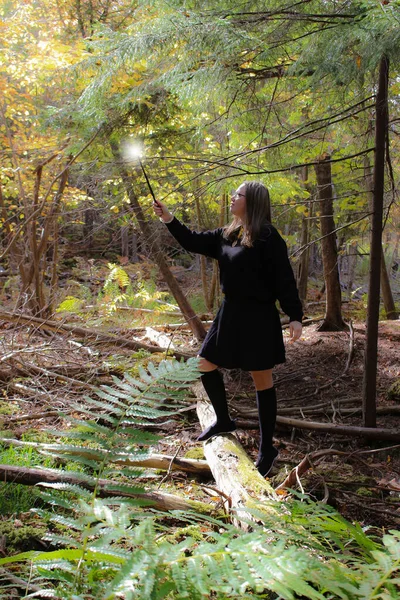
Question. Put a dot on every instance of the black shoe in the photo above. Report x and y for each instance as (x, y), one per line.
(265, 462)
(216, 429)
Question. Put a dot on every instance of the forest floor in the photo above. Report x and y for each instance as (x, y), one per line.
(362, 481)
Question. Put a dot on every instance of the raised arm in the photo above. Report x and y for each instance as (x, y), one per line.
(206, 242)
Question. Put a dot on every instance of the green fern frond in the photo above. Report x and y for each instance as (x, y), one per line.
(61, 540)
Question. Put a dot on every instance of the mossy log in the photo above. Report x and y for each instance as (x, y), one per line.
(233, 470)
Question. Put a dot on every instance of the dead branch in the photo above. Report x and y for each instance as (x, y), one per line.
(308, 462)
(104, 487)
(86, 333)
(30, 417)
(155, 461)
(371, 433)
(29, 368)
(21, 389)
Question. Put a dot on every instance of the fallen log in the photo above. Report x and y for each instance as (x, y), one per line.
(233, 470)
(104, 488)
(81, 332)
(155, 461)
(371, 433)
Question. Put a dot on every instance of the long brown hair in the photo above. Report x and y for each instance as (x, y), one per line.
(258, 212)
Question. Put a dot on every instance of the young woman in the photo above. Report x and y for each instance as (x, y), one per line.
(246, 333)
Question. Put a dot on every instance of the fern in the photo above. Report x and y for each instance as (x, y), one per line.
(114, 548)
(115, 286)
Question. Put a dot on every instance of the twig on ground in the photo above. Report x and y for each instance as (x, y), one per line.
(168, 473)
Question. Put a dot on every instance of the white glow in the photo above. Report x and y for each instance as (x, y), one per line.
(132, 150)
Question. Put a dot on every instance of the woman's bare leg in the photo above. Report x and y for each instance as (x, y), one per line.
(262, 379)
(205, 365)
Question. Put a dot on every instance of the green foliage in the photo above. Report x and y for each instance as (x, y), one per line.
(116, 286)
(16, 498)
(115, 547)
(71, 304)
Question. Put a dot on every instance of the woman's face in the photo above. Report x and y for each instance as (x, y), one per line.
(238, 202)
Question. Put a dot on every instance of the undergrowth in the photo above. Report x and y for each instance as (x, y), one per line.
(119, 547)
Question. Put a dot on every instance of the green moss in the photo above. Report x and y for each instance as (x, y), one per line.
(248, 475)
(21, 539)
(7, 408)
(196, 453)
(364, 492)
(192, 531)
(393, 392)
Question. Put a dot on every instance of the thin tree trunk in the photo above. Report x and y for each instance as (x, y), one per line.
(387, 295)
(333, 320)
(134, 248)
(351, 268)
(203, 262)
(193, 320)
(303, 268)
(371, 342)
(388, 301)
(125, 241)
(223, 217)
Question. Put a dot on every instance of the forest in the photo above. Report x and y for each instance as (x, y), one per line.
(105, 106)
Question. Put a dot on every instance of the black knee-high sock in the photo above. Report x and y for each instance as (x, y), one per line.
(214, 385)
(267, 409)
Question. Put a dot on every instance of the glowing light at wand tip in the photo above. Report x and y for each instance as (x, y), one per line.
(132, 151)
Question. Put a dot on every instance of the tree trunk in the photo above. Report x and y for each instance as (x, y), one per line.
(193, 320)
(125, 241)
(134, 248)
(388, 301)
(351, 268)
(371, 342)
(203, 263)
(333, 314)
(303, 268)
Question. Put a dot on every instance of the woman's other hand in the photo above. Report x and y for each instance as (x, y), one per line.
(162, 211)
(295, 328)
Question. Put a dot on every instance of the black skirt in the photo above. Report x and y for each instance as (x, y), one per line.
(245, 335)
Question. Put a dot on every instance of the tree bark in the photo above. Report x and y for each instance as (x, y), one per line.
(371, 342)
(333, 314)
(387, 295)
(388, 300)
(203, 263)
(304, 261)
(193, 320)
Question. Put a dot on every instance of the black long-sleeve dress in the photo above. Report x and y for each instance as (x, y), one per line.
(246, 332)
